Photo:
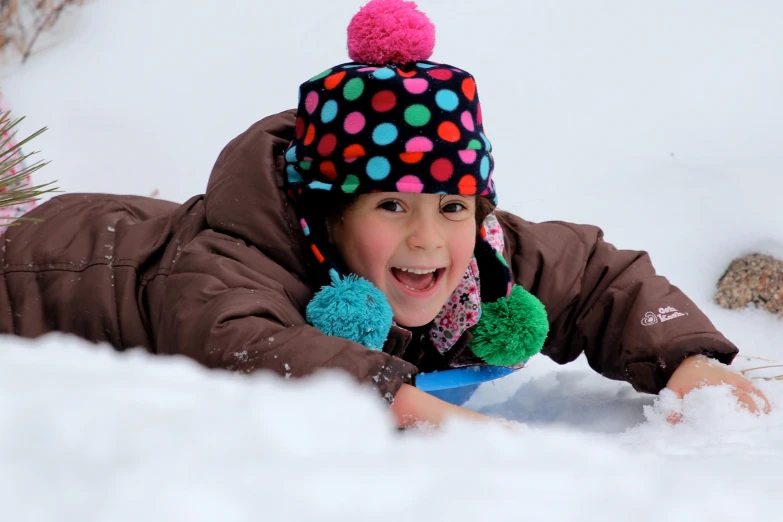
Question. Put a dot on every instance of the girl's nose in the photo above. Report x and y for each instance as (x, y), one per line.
(425, 235)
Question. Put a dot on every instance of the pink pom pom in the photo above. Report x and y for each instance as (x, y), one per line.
(390, 32)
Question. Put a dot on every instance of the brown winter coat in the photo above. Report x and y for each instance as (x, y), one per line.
(225, 279)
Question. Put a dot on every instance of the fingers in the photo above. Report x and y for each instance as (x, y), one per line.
(748, 396)
(746, 400)
(754, 396)
(767, 406)
(758, 394)
(752, 399)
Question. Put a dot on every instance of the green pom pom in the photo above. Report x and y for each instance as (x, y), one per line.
(511, 330)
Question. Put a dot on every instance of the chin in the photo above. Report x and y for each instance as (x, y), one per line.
(415, 320)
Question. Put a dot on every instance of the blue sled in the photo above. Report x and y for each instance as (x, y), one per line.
(458, 385)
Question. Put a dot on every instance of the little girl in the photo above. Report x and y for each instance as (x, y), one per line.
(358, 233)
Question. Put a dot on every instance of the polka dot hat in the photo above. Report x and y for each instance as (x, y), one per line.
(391, 121)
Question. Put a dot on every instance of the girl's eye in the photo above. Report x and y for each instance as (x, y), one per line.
(453, 207)
(455, 211)
(391, 206)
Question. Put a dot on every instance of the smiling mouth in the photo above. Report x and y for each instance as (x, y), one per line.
(417, 279)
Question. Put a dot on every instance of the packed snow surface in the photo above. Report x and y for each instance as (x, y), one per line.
(87, 434)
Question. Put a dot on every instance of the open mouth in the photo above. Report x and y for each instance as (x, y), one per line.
(417, 279)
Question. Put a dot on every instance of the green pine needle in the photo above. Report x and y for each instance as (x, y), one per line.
(11, 158)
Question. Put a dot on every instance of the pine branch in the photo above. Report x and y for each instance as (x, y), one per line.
(51, 18)
(11, 158)
(23, 21)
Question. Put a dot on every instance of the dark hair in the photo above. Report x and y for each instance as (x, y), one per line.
(484, 207)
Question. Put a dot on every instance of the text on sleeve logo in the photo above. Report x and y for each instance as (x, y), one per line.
(664, 314)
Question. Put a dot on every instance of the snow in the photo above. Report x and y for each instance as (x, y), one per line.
(88, 434)
(658, 121)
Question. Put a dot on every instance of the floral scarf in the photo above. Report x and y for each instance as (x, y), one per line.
(463, 308)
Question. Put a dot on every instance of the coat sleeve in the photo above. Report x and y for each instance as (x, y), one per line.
(631, 323)
(224, 314)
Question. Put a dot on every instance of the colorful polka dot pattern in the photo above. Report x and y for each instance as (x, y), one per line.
(415, 128)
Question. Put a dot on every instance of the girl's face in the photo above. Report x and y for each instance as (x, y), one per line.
(415, 248)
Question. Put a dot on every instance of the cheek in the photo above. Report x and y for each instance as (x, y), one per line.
(466, 248)
(366, 250)
(464, 244)
(461, 250)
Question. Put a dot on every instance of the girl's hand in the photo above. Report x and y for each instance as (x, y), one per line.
(697, 371)
(411, 405)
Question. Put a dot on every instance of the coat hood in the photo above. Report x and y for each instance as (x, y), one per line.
(245, 197)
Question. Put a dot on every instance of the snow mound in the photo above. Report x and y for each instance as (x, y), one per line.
(90, 434)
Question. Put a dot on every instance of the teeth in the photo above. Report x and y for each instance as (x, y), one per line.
(417, 271)
(431, 285)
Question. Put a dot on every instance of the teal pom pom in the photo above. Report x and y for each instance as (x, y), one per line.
(511, 330)
(352, 308)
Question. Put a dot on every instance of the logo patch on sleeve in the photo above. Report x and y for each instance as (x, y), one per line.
(664, 314)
